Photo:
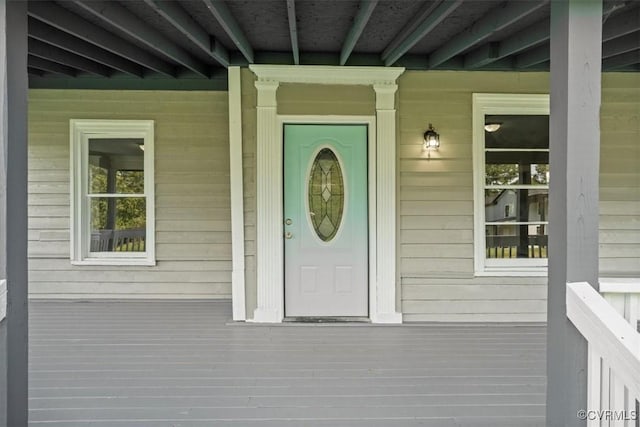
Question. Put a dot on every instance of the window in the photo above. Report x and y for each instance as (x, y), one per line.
(511, 183)
(112, 192)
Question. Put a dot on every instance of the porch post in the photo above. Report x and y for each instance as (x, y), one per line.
(385, 310)
(269, 176)
(574, 140)
(13, 212)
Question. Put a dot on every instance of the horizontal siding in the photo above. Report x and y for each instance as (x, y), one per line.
(436, 197)
(304, 99)
(620, 176)
(435, 206)
(193, 219)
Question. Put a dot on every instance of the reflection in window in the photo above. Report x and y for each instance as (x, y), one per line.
(516, 186)
(326, 194)
(116, 194)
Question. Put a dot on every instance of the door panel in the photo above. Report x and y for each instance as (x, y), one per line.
(326, 220)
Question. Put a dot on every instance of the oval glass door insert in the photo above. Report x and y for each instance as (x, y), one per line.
(326, 194)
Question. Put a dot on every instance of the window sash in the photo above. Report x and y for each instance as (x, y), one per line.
(501, 104)
(81, 131)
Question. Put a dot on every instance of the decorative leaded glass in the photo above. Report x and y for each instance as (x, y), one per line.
(326, 194)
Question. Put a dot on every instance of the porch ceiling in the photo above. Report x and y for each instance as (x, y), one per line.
(151, 42)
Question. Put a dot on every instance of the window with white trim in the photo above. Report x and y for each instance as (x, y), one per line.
(511, 183)
(112, 192)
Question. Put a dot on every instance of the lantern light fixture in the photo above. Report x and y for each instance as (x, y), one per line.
(431, 138)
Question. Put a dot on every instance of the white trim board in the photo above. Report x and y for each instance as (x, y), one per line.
(237, 194)
(3, 299)
(269, 245)
(124, 296)
(320, 74)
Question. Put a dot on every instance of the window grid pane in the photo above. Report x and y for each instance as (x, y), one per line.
(516, 182)
(116, 197)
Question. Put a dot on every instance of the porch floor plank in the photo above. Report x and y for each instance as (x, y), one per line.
(182, 364)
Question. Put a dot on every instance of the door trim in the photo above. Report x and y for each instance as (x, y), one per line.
(269, 197)
(370, 122)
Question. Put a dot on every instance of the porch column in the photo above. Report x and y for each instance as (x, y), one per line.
(386, 215)
(13, 212)
(269, 223)
(574, 140)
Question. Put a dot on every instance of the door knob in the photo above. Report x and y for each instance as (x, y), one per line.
(288, 221)
(288, 235)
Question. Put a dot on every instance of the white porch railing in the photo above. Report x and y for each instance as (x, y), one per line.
(129, 240)
(614, 358)
(624, 295)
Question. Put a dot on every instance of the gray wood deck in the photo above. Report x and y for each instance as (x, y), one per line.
(181, 364)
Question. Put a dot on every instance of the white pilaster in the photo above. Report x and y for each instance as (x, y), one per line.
(237, 195)
(385, 307)
(270, 302)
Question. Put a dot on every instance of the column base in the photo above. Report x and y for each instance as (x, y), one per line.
(387, 318)
(237, 294)
(264, 315)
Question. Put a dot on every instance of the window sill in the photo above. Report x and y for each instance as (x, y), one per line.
(143, 262)
(499, 272)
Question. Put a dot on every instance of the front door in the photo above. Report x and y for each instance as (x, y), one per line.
(325, 223)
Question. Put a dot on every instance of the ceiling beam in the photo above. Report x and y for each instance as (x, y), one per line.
(484, 55)
(293, 30)
(75, 25)
(495, 20)
(410, 26)
(43, 32)
(430, 21)
(621, 61)
(129, 83)
(621, 24)
(533, 57)
(35, 72)
(50, 66)
(61, 56)
(365, 11)
(223, 15)
(621, 45)
(523, 40)
(173, 13)
(118, 16)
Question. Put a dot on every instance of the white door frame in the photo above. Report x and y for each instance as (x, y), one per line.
(370, 121)
(270, 238)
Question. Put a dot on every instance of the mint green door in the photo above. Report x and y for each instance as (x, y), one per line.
(325, 223)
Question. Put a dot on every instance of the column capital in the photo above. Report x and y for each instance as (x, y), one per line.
(385, 95)
(267, 92)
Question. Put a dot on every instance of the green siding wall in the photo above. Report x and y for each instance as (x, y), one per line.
(193, 220)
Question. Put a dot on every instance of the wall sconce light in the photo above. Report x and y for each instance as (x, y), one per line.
(431, 139)
(492, 127)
